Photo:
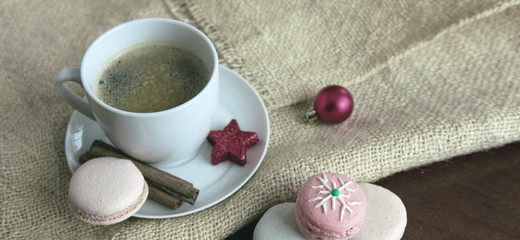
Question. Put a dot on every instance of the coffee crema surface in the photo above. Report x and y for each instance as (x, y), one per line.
(151, 77)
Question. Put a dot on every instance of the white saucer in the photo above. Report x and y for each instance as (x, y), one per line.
(238, 100)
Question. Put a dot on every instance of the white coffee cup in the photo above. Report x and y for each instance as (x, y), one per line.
(171, 136)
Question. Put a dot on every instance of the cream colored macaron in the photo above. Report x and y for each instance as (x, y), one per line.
(385, 218)
(107, 190)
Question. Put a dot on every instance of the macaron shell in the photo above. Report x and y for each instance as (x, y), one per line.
(278, 223)
(112, 218)
(107, 190)
(386, 214)
(338, 217)
(307, 229)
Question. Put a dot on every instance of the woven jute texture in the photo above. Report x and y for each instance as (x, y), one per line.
(430, 80)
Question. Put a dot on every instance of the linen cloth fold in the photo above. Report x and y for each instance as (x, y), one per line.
(430, 80)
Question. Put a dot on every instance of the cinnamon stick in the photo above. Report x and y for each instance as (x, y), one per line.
(100, 148)
(172, 185)
(175, 194)
(164, 198)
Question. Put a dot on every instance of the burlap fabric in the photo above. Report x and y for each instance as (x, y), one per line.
(430, 79)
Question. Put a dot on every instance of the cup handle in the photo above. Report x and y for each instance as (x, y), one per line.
(72, 74)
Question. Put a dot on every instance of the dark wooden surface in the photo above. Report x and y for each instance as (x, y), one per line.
(476, 196)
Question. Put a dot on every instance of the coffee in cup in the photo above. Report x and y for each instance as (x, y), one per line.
(151, 77)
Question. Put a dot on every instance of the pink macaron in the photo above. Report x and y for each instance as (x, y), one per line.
(330, 206)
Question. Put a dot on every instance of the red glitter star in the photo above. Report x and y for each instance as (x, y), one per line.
(231, 144)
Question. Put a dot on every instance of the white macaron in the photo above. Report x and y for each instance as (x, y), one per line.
(107, 190)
